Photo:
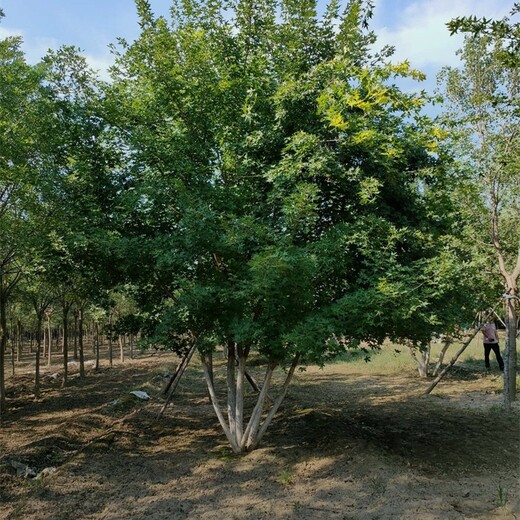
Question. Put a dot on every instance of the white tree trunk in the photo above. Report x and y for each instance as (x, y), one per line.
(244, 437)
(442, 353)
(421, 360)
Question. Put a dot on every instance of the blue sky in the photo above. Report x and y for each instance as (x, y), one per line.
(415, 27)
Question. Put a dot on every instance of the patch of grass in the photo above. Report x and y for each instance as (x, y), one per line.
(389, 359)
(473, 362)
(502, 415)
(394, 358)
(36, 487)
(502, 495)
(285, 477)
(225, 454)
(57, 458)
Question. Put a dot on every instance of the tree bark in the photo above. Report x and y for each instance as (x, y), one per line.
(239, 410)
(96, 340)
(19, 334)
(44, 341)
(75, 335)
(510, 279)
(231, 386)
(12, 341)
(3, 343)
(49, 337)
(256, 416)
(510, 357)
(276, 405)
(65, 306)
(80, 344)
(442, 353)
(38, 350)
(421, 361)
(121, 349)
(218, 410)
(110, 347)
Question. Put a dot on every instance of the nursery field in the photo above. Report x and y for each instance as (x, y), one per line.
(278, 182)
(354, 440)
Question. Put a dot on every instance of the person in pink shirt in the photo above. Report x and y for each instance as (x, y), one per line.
(489, 331)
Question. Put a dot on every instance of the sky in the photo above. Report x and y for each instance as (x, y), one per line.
(415, 27)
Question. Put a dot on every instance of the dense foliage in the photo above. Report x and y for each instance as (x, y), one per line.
(287, 191)
(252, 178)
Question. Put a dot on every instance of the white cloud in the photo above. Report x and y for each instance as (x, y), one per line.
(419, 32)
(34, 48)
(101, 64)
(7, 33)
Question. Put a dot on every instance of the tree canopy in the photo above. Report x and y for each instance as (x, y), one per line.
(483, 120)
(285, 193)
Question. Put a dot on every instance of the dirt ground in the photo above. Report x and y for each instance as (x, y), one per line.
(344, 445)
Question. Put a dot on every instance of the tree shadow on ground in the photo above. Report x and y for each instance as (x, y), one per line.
(125, 463)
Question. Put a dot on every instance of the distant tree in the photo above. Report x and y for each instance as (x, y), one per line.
(78, 189)
(506, 31)
(483, 121)
(20, 92)
(39, 294)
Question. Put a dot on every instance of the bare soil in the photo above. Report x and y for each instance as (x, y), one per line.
(344, 445)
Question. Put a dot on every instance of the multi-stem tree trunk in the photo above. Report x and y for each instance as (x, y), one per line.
(244, 435)
(511, 295)
(423, 358)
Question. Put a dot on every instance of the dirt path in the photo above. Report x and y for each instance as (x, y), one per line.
(345, 445)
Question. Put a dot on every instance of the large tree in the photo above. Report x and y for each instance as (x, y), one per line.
(20, 86)
(79, 189)
(281, 189)
(483, 121)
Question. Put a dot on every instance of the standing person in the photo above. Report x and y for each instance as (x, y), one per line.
(489, 331)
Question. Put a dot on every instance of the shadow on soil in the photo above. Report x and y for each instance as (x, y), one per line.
(106, 443)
